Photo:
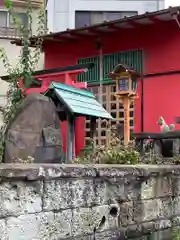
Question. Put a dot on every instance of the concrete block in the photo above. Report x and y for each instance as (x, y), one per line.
(57, 195)
(19, 197)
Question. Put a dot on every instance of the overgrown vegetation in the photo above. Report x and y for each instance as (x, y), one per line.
(28, 61)
(175, 234)
(116, 153)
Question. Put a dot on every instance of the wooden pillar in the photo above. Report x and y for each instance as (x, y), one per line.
(126, 104)
(93, 131)
(70, 138)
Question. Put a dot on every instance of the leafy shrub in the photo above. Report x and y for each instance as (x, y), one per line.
(116, 153)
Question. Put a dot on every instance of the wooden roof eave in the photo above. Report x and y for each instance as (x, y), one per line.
(112, 26)
(122, 68)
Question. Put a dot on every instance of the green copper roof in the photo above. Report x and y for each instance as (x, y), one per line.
(79, 101)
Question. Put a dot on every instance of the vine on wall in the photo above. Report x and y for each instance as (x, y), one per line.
(27, 63)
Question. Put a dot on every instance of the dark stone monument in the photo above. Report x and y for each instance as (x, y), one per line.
(34, 132)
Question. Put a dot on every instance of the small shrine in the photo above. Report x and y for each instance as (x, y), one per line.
(35, 130)
(72, 102)
(67, 75)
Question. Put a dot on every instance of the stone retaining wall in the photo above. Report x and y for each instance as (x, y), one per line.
(53, 202)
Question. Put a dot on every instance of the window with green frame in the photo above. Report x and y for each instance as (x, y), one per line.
(132, 58)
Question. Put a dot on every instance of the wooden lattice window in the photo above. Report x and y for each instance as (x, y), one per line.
(115, 108)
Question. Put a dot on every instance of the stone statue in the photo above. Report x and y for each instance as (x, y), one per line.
(164, 126)
(166, 146)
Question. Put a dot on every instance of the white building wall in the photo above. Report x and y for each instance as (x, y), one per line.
(50, 14)
(13, 52)
(172, 3)
(61, 13)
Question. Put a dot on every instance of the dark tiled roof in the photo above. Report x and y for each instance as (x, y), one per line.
(110, 26)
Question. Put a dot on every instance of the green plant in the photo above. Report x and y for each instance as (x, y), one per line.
(175, 233)
(116, 153)
(27, 63)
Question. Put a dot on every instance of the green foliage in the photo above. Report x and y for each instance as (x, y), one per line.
(109, 155)
(121, 155)
(175, 233)
(27, 63)
(7, 3)
(116, 153)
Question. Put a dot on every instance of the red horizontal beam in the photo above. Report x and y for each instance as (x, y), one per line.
(44, 88)
(40, 77)
(46, 82)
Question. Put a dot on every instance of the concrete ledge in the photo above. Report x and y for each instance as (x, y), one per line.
(54, 171)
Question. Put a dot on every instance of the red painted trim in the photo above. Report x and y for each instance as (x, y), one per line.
(44, 88)
(80, 84)
(46, 82)
(60, 73)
